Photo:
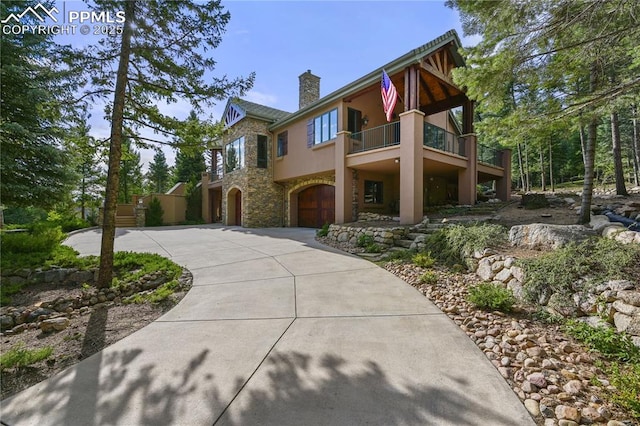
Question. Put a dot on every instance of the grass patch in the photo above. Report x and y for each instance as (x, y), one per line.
(626, 379)
(598, 259)
(491, 297)
(18, 356)
(156, 296)
(130, 266)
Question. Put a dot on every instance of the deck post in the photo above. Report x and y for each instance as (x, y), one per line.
(468, 177)
(503, 185)
(411, 166)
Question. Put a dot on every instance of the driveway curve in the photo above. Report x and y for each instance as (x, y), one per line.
(277, 330)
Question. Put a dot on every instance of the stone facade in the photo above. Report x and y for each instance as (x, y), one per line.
(385, 237)
(262, 204)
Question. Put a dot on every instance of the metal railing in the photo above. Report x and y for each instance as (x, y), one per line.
(377, 137)
(490, 156)
(438, 138)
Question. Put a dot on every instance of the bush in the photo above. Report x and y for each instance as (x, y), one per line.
(324, 231)
(155, 213)
(423, 260)
(491, 297)
(626, 380)
(400, 256)
(606, 340)
(193, 194)
(598, 259)
(18, 356)
(23, 215)
(364, 240)
(132, 266)
(372, 248)
(454, 244)
(429, 278)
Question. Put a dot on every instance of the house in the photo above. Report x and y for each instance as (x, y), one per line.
(338, 155)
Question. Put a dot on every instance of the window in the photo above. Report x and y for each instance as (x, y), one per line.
(234, 155)
(262, 152)
(372, 192)
(283, 143)
(322, 128)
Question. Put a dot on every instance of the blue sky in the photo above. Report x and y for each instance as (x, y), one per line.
(339, 41)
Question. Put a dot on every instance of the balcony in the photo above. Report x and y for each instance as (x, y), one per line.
(438, 138)
(375, 138)
(489, 156)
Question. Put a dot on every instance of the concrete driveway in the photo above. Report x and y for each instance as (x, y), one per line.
(277, 330)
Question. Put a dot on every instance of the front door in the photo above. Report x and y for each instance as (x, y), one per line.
(238, 218)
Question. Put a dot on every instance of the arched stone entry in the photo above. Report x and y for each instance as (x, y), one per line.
(316, 206)
(234, 207)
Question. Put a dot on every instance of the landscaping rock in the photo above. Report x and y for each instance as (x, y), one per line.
(54, 324)
(542, 236)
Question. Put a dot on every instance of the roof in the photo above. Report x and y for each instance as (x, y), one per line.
(412, 57)
(257, 111)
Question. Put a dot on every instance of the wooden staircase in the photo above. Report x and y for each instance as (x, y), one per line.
(125, 221)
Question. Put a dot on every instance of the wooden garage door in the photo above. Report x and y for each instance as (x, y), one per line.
(316, 206)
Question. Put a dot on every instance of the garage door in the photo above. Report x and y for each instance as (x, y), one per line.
(316, 206)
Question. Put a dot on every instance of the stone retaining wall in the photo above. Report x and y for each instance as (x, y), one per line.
(384, 237)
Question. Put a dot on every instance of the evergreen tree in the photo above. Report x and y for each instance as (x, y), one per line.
(161, 55)
(130, 173)
(158, 174)
(34, 167)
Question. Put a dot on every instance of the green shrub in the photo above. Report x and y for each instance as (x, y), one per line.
(18, 356)
(598, 259)
(429, 278)
(372, 248)
(423, 260)
(454, 244)
(24, 215)
(324, 231)
(131, 266)
(364, 240)
(193, 195)
(492, 297)
(154, 214)
(400, 256)
(626, 380)
(605, 340)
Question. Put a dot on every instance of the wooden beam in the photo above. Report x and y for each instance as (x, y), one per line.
(406, 89)
(445, 89)
(427, 90)
(445, 104)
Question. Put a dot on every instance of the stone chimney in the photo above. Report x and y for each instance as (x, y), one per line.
(309, 89)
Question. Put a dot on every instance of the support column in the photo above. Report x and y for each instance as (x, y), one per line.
(206, 204)
(503, 185)
(344, 179)
(411, 166)
(468, 178)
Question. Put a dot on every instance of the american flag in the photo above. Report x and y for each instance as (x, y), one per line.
(389, 95)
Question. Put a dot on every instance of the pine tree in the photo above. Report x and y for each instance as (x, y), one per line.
(130, 173)
(161, 55)
(158, 174)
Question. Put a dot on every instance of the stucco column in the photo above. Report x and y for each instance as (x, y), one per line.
(206, 203)
(344, 179)
(503, 185)
(411, 166)
(468, 178)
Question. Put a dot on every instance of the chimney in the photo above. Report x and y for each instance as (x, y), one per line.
(309, 88)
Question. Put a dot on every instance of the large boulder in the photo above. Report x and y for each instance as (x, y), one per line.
(543, 236)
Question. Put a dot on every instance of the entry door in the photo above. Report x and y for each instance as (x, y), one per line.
(238, 217)
(316, 206)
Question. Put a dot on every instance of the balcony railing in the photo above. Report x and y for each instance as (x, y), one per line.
(377, 137)
(490, 156)
(440, 139)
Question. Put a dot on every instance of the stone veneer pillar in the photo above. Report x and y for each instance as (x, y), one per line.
(206, 203)
(344, 180)
(411, 166)
(503, 185)
(468, 178)
(141, 215)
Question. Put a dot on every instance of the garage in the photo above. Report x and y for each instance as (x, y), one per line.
(316, 206)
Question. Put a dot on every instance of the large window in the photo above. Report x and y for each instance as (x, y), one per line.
(283, 143)
(234, 153)
(372, 192)
(322, 128)
(262, 152)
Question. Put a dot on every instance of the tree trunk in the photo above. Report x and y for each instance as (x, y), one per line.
(115, 153)
(520, 167)
(589, 154)
(553, 189)
(617, 155)
(635, 144)
(582, 145)
(527, 186)
(543, 183)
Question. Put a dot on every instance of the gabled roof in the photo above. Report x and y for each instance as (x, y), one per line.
(251, 109)
(412, 57)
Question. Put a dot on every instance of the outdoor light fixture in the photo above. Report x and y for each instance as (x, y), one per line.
(365, 120)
